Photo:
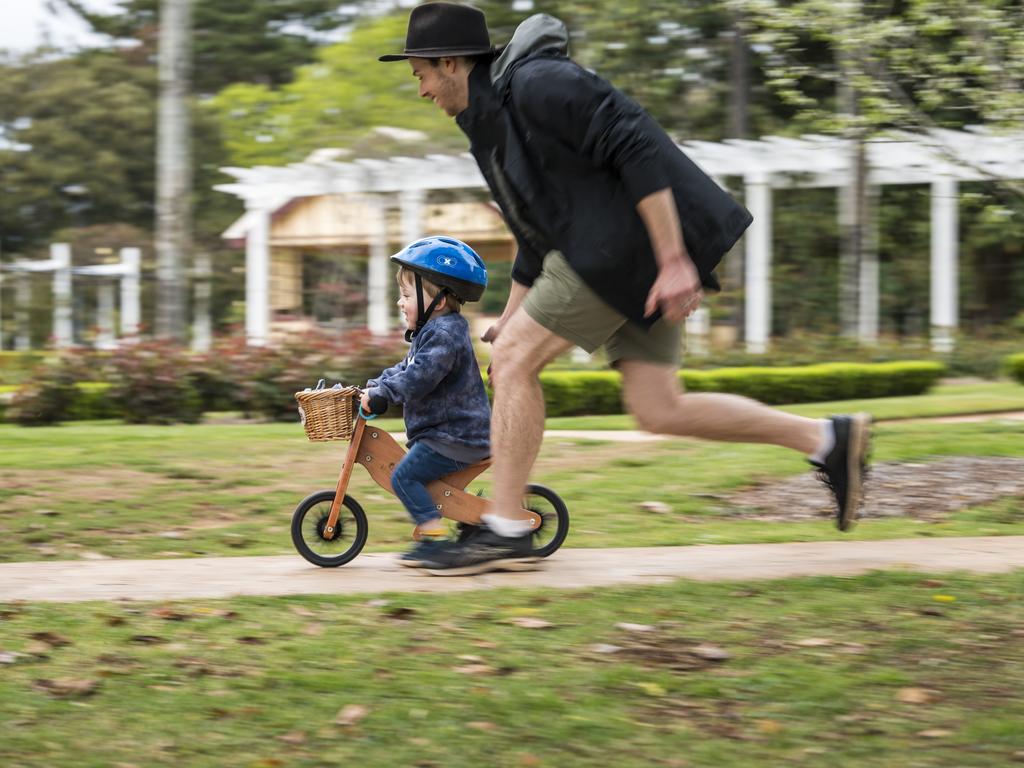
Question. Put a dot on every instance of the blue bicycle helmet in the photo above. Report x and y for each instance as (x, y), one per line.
(448, 263)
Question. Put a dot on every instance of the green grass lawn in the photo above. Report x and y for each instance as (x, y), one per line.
(881, 670)
(106, 489)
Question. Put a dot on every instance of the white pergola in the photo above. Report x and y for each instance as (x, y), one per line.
(126, 272)
(940, 158)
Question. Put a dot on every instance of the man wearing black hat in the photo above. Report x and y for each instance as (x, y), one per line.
(618, 233)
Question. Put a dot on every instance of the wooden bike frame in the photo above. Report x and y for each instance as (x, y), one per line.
(378, 451)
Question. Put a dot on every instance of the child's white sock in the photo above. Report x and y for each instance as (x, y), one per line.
(828, 441)
(506, 526)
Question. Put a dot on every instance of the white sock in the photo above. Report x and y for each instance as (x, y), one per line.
(828, 441)
(507, 526)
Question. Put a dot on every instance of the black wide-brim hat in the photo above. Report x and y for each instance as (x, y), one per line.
(444, 29)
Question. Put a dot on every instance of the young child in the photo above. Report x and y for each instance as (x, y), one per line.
(447, 415)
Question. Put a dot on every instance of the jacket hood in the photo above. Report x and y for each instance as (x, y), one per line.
(537, 33)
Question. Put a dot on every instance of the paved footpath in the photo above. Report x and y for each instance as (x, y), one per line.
(216, 577)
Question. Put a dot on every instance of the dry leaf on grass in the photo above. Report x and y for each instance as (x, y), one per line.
(710, 652)
(147, 639)
(51, 639)
(916, 695)
(628, 627)
(814, 642)
(67, 687)
(351, 714)
(475, 669)
(529, 622)
(168, 614)
(294, 737)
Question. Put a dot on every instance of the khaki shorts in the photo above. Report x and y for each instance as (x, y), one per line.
(562, 303)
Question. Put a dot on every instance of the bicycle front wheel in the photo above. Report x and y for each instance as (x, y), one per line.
(310, 538)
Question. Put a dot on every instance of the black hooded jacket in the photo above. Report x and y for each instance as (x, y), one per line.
(567, 157)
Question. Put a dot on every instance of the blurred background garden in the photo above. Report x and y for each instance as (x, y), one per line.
(198, 199)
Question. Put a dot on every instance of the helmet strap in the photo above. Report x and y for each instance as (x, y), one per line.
(422, 315)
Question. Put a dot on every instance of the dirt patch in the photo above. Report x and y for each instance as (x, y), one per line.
(919, 490)
(98, 484)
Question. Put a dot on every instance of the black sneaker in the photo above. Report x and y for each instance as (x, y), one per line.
(846, 465)
(465, 531)
(422, 551)
(482, 552)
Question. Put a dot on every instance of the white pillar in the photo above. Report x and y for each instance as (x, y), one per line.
(131, 260)
(22, 301)
(867, 314)
(698, 330)
(257, 278)
(944, 268)
(377, 268)
(63, 333)
(410, 203)
(105, 314)
(202, 330)
(758, 244)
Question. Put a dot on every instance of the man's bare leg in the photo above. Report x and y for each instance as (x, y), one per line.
(517, 418)
(653, 395)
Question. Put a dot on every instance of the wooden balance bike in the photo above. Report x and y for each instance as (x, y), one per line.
(329, 528)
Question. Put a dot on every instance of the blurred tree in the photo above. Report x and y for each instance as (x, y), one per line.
(342, 100)
(78, 149)
(235, 41)
(911, 65)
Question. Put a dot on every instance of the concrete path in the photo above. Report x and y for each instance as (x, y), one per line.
(216, 577)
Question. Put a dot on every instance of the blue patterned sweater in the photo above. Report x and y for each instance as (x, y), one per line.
(441, 391)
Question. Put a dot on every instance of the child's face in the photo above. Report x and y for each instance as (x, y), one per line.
(407, 303)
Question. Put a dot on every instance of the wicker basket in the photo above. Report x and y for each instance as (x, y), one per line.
(328, 414)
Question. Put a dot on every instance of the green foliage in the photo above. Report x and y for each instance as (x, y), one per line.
(61, 388)
(253, 41)
(150, 384)
(818, 383)
(575, 393)
(337, 101)
(913, 64)
(90, 124)
(47, 399)
(1015, 366)
(15, 367)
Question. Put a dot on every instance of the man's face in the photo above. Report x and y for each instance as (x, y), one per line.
(445, 82)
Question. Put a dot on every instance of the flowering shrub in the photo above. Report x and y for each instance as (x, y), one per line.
(150, 383)
(161, 382)
(54, 393)
(46, 399)
(272, 376)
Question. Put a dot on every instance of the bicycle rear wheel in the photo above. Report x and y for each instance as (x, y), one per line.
(554, 515)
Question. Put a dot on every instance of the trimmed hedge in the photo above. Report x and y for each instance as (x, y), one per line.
(1014, 365)
(578, 393)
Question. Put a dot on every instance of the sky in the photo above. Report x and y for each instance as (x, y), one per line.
(25, 24)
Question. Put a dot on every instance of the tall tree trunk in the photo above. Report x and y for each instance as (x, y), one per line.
(852, 211)
(739, 82)
(174, 168)
(739, 127)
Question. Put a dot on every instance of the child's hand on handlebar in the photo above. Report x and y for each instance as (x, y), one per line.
(364, 402)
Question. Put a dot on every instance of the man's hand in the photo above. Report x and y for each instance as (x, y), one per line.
(490, 335)
(676, 291)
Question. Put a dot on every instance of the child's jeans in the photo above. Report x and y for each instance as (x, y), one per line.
(420, 466)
